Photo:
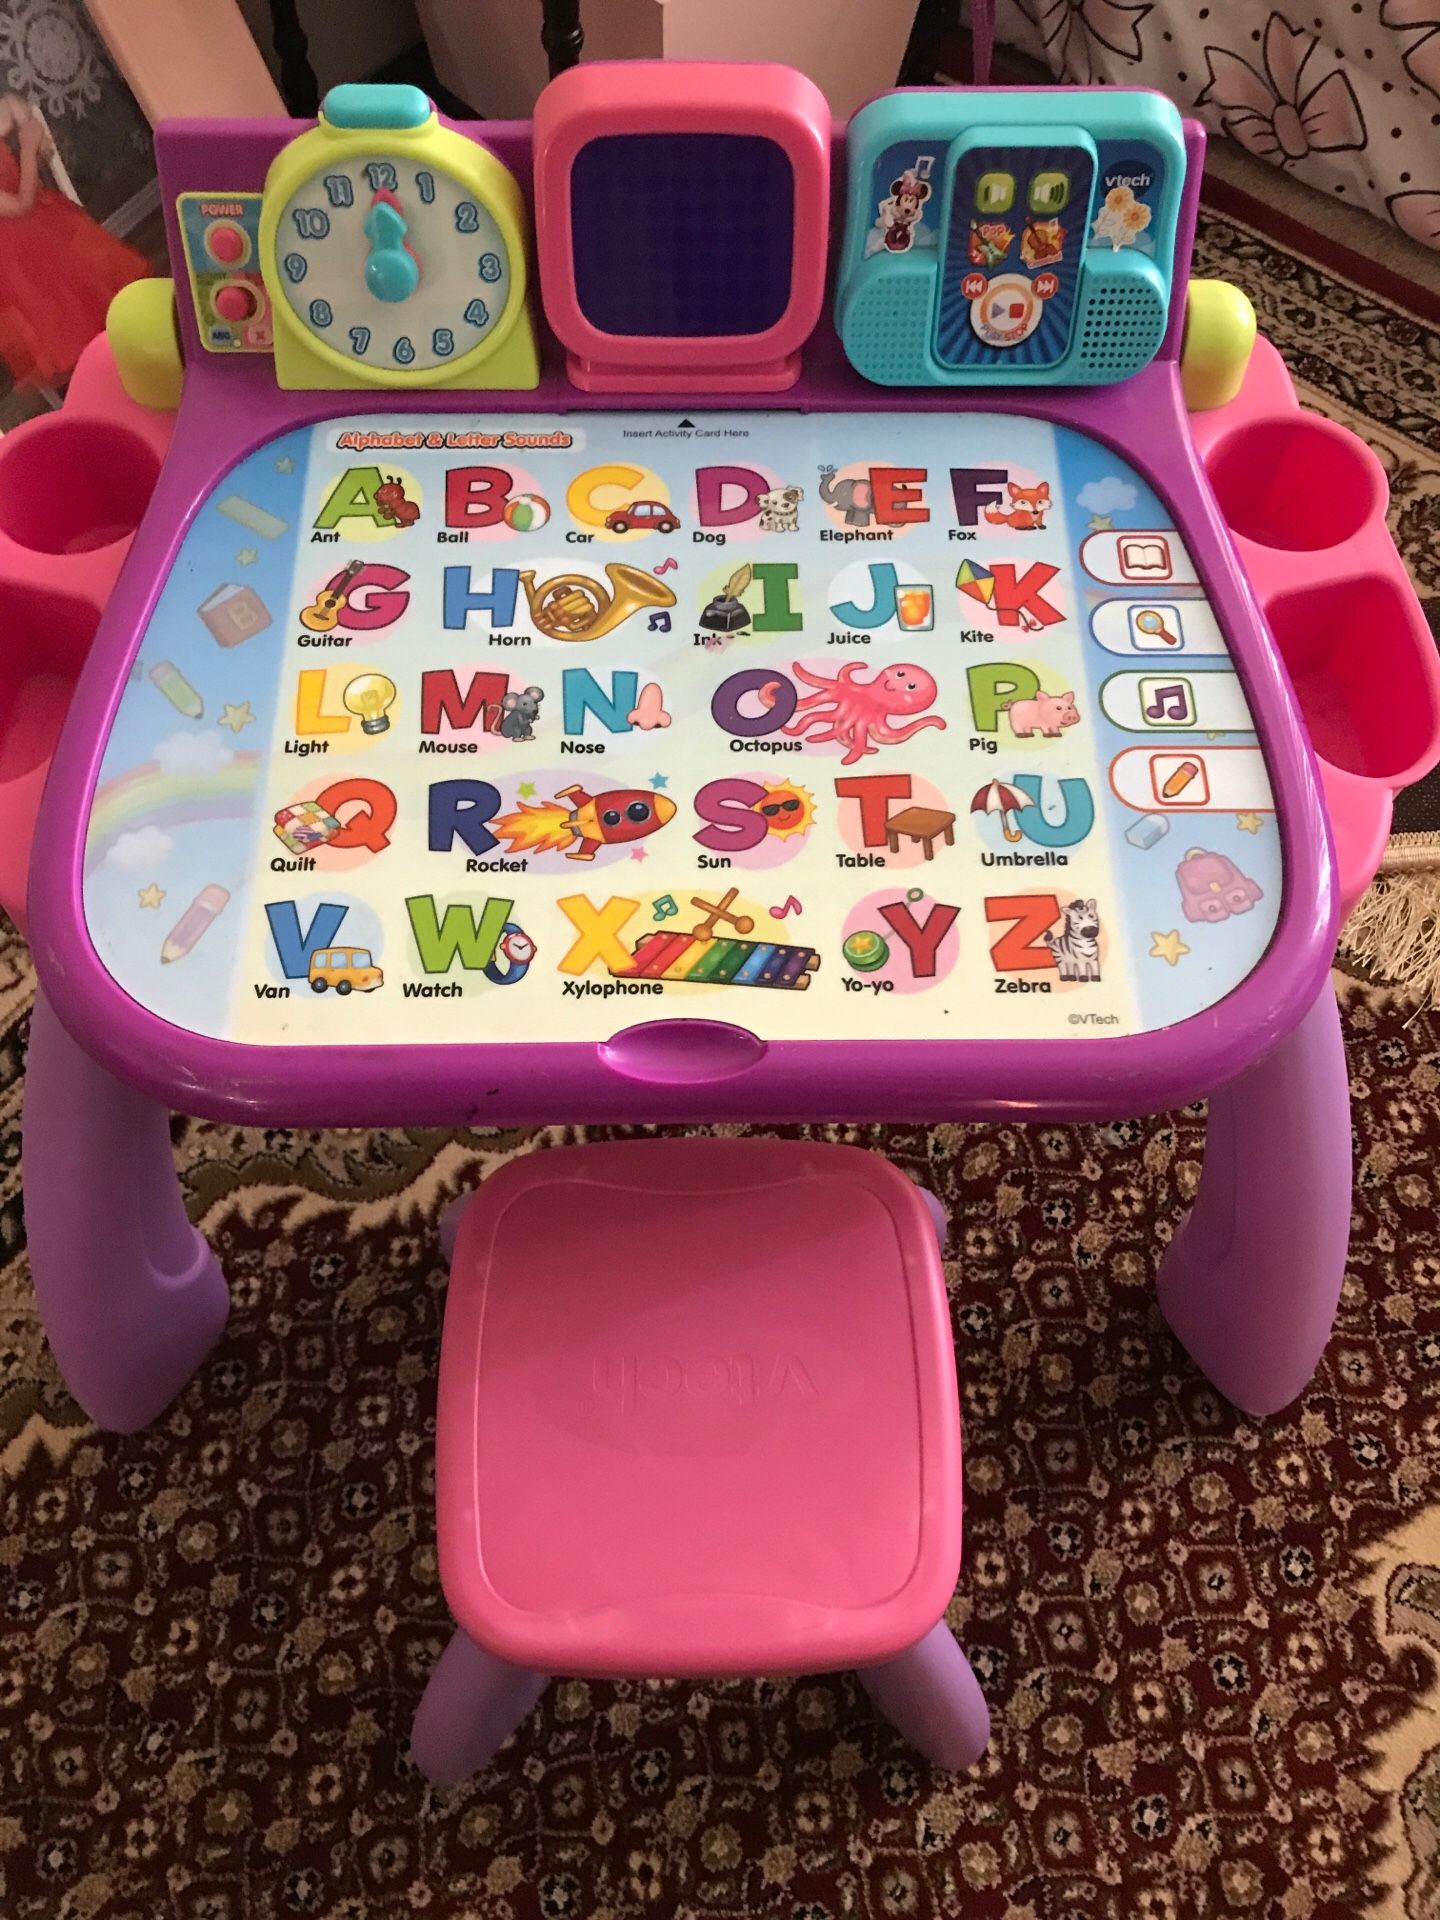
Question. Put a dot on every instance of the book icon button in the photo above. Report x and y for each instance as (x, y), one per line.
(1144, 556)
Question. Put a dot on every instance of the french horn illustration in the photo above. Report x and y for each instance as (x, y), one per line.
(571, 606)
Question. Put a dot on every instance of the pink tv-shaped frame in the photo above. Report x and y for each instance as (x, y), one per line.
(628, 101)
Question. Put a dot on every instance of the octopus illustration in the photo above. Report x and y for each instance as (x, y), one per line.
(854, 711)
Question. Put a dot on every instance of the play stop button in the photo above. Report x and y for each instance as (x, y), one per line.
(1007, 312)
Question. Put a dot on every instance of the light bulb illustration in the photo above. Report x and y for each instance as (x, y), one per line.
(369, 696)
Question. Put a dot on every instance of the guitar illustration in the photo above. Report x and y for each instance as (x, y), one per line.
(324, 612)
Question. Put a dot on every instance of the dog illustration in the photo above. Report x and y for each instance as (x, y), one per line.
(779, 510)
(1076, 948)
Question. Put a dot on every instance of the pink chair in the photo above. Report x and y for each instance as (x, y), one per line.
(697, 1417)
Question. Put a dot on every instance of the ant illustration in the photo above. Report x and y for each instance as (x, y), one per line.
(391, 501)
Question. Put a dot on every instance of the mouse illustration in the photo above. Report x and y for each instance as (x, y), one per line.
(519, 712)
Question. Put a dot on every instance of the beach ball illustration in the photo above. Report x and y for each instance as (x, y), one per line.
(527, 512)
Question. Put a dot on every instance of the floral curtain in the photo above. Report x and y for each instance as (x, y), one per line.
(1347, 98)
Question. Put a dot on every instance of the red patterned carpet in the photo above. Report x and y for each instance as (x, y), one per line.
(1210, 1644)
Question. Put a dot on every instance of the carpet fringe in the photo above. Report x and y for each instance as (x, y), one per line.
(1394, 930)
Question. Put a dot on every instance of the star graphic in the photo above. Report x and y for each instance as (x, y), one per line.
(658, 780)
(1101, 522)
(285, 464)
(1248, 822)
(235, 717)
(152, 895)
(1168, 947)
(526, 790)
(637, 853)
(246, 557)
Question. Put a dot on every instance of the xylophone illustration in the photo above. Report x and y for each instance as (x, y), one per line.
(707, 958)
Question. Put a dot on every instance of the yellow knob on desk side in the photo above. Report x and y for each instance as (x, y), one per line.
(141, 329)
(1219, 335)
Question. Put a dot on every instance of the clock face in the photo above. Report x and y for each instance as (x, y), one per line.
(393, 263)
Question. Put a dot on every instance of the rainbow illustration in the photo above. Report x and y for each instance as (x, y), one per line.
(148, 796)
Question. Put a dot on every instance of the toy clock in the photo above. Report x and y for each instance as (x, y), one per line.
(393, 252)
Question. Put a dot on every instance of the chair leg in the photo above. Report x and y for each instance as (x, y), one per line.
(939, 1219)
(929, 1694)
(471, 1706)
(450, 1217)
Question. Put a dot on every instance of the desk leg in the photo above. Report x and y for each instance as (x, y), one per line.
(131, 1296)
(1251, 1281)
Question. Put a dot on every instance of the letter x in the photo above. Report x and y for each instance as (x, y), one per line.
(599, 931)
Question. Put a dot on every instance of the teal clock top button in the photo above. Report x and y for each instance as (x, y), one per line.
(362, 104)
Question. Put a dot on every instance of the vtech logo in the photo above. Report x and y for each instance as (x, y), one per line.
(630, 1382)
(1134, 174)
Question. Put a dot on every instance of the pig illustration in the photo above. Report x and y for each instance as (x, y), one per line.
(1047, 713)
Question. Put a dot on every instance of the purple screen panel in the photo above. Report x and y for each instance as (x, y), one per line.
(685, 235)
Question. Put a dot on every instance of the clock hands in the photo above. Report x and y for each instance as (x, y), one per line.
(391, 271)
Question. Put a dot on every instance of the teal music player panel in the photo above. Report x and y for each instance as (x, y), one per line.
(1009, 238)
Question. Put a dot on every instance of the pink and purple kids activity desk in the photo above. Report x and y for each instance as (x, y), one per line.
(722, 698)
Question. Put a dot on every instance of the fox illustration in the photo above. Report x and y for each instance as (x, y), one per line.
(1027, 510)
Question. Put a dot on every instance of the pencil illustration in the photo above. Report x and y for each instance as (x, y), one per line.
(194, 923)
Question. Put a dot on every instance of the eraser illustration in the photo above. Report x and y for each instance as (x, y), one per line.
(1145, 831)
(245, 513)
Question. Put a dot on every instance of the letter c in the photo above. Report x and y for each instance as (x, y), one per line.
(580, 494)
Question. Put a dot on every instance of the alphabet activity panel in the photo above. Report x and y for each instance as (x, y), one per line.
(898, 725)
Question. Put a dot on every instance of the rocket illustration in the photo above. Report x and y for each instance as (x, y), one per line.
(581, 823)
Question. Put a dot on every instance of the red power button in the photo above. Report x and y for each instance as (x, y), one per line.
(226, 243)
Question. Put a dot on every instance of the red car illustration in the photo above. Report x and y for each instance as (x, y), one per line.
(642, 516)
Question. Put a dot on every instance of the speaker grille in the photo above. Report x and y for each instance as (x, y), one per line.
(886, 327)
(1121, 328)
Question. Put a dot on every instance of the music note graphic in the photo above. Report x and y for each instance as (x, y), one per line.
(667, 565)
(1168, 703)
(788, 905)
(659, 622)
(665, 906)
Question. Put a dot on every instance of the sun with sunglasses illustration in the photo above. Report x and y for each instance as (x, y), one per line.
(785, 809)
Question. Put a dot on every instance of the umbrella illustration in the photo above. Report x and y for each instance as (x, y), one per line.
(1001, 798)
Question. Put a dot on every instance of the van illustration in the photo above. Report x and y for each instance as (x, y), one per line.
(346, 969)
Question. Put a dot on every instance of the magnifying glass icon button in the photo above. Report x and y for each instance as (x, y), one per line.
(1152, 624)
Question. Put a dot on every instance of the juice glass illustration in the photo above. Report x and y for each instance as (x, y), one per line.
(915, 608)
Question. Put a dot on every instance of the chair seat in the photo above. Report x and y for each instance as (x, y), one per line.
(697, 1411)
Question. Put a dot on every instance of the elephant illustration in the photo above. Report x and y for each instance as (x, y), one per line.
(854, 498)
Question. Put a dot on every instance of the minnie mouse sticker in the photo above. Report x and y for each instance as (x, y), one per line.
(900, 216)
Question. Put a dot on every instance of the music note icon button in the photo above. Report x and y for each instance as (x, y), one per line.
(1166, 703)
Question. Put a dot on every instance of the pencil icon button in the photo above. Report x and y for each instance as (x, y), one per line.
(1180, 779)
